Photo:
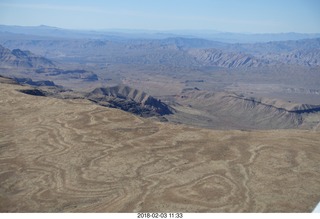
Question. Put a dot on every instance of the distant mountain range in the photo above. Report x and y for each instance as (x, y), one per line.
(19, 58)
(170, 52)
(114, 70)
(96, 47)
(48, 31)
(214, 57)
(19, 61)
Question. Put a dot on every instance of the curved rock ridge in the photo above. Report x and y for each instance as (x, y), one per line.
(129, 99)
(284, 105)
(274, 103)
(225, 110)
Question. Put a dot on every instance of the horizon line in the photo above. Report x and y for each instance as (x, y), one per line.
(211, 31)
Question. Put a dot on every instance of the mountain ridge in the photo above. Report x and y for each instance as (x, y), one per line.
(19, 58)
(129, 99)
(174, 52)
(228, 37)
(225, 110)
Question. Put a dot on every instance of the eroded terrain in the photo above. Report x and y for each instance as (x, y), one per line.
(74, 156)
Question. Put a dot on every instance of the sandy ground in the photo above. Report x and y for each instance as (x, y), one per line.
(73, 156)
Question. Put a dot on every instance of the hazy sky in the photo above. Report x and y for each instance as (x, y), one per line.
(255, 16)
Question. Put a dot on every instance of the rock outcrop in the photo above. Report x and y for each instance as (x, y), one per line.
(129, 99)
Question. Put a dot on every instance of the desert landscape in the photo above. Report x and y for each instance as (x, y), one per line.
(71, 155)
(139, 120)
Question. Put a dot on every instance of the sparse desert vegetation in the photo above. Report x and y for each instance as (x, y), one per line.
(75, 156)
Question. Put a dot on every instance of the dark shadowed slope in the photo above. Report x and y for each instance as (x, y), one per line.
(129, 99)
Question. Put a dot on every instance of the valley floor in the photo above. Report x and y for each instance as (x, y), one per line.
(73, 156)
